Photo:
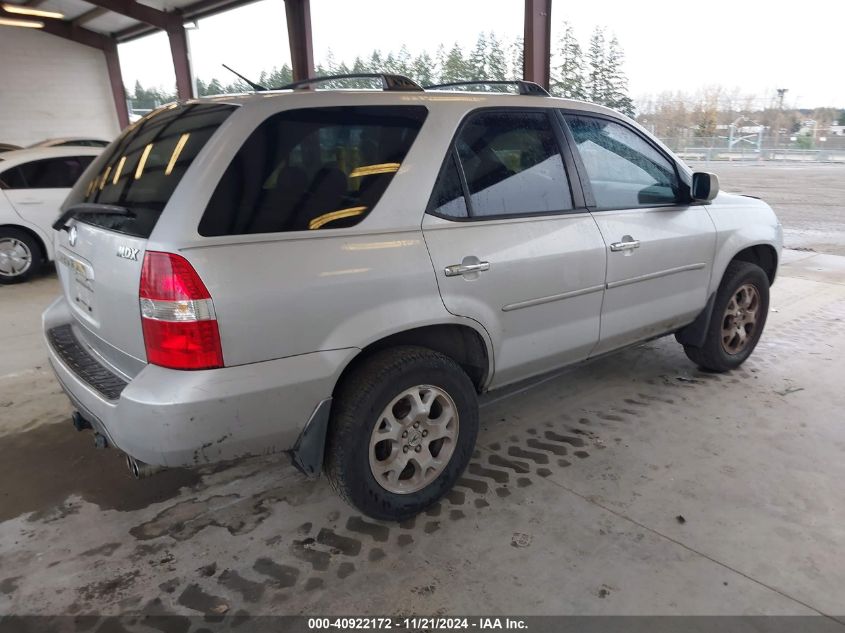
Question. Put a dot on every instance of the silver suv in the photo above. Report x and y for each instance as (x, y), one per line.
(339, 273)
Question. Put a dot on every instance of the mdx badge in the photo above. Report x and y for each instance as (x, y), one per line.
(127, 252)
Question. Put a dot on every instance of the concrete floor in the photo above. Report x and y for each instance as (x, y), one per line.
(634, 484)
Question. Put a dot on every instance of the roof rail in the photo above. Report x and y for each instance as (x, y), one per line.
(525, 87)
(388, 82)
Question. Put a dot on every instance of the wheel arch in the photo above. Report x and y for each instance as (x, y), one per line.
(462, 343)
(763, 255)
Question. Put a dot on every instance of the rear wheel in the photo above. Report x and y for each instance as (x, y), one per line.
(739, 315)
(403, 429)
(20, 256)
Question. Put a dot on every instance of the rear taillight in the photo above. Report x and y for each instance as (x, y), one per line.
(177, 315)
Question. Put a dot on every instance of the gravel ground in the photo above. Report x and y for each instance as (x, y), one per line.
(809, 199)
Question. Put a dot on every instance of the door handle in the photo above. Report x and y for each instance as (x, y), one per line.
(627, 245)
(462, 269)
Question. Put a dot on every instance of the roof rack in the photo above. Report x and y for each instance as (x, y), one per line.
(388, 82)
(525, 87)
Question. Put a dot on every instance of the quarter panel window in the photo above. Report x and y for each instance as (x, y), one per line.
(624, 170)
(320, 168)
(512, 164)
(448, 197)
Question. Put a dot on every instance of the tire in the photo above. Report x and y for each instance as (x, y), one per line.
(20, 256)
(367, 472)
(725, 347)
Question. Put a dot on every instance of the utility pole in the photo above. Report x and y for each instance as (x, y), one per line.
(781, 94)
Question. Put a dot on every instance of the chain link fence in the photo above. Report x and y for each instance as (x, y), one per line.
(785, 148)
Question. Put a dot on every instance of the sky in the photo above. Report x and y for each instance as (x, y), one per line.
(751, 45)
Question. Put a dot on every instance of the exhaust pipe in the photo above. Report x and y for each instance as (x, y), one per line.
(139, 469)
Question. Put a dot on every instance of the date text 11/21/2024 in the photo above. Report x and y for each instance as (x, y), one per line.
(417, 623)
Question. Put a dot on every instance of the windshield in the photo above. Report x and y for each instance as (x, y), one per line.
(146, 163)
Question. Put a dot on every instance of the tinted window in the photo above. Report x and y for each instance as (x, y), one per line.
(50, 173)
(625, 171)
(147, 162)
(321, 168)
(512, 164)
(448, 196)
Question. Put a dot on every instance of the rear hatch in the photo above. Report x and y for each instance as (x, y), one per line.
(99, 255)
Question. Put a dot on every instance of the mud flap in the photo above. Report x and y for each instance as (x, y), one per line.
(695, 333)
(307, 453)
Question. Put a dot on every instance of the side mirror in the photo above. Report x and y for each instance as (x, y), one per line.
(705, 186)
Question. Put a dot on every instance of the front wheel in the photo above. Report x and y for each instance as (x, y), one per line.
(20, 256)
(739, 315)
(403, 429)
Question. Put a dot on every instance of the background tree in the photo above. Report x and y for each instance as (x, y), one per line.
(477, 63)
(616, 88)
(497, 65)
(455, 68)
(596, 84)
(568, 75)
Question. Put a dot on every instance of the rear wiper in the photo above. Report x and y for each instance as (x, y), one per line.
(89, 208)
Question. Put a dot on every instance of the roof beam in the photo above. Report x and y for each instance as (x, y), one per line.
(194, 11)
(68, 31)
(88, 16)
(166, 21)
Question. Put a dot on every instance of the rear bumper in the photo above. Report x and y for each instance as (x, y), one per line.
(184, 418)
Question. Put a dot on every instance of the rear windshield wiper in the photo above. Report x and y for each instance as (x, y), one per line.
(89, 208)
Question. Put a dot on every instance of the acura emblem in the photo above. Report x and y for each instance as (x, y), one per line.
(71, 236)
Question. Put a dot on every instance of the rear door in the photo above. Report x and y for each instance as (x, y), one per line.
(37, 189)
(513, 246)
(660, 248)
(99, 257)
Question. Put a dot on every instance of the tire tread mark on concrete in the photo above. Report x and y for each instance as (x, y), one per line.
(537, 458)
(374, 530)
(514, 465)
(498, 476)
(345, 545)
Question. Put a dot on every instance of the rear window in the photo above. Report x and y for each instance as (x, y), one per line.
(147, 163)
(320, 168)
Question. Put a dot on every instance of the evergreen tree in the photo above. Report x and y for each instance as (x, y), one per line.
(403, 61)
(441, 63)
(477, 63)
(423, 70)
(596, 85)
(617, 82)
(497, 65)
(517, 66)
(455, 67)
(568, 76)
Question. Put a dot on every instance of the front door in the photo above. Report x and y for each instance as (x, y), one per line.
(512, 245)
(660, 248)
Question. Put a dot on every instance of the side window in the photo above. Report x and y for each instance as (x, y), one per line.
(624, 170)
(12, 178)
(512, 164)
(320, 168)
(448, 197)
(51, 173)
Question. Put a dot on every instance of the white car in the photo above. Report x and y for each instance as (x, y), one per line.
(33, 185)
